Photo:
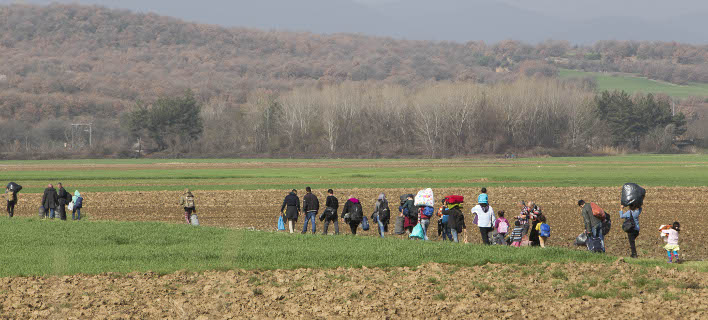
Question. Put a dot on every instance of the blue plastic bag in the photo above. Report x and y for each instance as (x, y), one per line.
(281, 224)
(417, 232)
(365, 224)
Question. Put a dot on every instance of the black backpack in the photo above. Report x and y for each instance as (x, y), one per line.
(14, 187)
(355, 213)
(384, 212)
(606, 225)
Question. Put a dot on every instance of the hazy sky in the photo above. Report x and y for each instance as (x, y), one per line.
(579, 21)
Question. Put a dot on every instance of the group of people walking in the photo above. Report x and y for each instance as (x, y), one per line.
(451, 219)
(53, 202)
(530, 226)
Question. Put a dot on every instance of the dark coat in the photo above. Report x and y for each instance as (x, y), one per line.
(355, 210)
(589, 220)
(50, 198)
(63, 197)
(456, 219)
(292, 203)
(412, 218)
(310, 203)
(332, 202)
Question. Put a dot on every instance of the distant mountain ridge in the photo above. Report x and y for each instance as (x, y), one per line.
(452, 20)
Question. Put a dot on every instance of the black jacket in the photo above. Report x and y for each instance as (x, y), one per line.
(456, 219)
(49, 199)
(310, 203)
(291, 200)
(356, 212)
(332, 202)
(63, 196)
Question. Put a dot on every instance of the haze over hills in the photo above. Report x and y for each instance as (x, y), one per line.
(455, 20)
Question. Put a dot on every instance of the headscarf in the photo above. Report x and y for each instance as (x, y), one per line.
(382, 197)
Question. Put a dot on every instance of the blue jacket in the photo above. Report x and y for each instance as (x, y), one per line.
(634, 214)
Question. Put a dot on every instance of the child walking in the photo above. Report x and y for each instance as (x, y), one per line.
(516, 234)
(502, 227)
(671, 237)
(544, 230)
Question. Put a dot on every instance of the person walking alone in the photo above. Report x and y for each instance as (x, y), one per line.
(310, 205)
(11, 197)
(291, 208)
(190, 207)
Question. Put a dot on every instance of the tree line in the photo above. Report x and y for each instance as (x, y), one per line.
(355, 119)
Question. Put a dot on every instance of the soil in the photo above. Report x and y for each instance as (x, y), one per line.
(260, 209)
(548, 291)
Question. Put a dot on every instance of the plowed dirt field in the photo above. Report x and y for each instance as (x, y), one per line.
(549, 291)
(259, 210)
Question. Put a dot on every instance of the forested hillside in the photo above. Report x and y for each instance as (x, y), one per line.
(270, 92)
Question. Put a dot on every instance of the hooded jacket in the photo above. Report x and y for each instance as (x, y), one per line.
(589, 219)
(485, 216)
(381, 203)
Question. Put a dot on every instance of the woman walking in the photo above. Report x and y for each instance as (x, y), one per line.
(631, 225)
(382, 214)
(78, 203)
(353, 213)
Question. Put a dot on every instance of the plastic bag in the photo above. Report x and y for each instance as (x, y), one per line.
(194, 220)
(425, 198)
(417, 232)
(365, 224)
(632, 194)
(70, 207)
(581, 240)
(281, 224)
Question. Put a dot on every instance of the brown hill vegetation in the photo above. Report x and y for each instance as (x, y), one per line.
(71, 63)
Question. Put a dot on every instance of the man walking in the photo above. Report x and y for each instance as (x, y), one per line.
(49, 201)
(310, 205)
(593, 225)
(332, 205)
(63, 199)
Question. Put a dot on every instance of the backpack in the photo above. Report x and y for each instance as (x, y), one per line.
(597, 211)
(189, 202)
(355, 213)
(606, 225)
(503, 227)
(78, 204)
(427, 212)
(384, 214)
(545, 230)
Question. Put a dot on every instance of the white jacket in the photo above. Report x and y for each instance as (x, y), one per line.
(484, 219)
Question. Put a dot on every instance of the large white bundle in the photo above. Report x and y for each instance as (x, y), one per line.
(425, 198)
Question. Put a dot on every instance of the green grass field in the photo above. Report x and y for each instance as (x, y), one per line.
(36, 247)
(638, 84)
(648, 170)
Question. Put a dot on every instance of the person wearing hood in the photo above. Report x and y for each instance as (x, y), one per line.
(382, 214)
(187, 201)
(485, 220)
(78, 204)
(49, 201)
(291, 208)
(353, 213)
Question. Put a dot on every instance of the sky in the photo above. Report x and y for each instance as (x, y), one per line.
(578, 21)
